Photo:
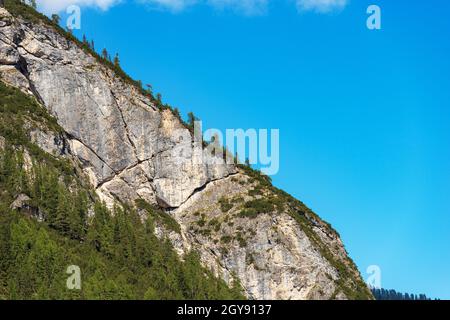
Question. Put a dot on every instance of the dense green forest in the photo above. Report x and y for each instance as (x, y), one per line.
(50, 220)
(383, 294)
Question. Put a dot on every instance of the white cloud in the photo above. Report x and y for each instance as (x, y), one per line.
(172, 5)
(54, 6)
(249, 7)
(321, 6)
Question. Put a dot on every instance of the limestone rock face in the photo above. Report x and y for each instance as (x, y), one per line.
(112, 128)
(132, 150)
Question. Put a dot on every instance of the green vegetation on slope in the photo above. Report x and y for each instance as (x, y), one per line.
(349, 282)
(61, 224)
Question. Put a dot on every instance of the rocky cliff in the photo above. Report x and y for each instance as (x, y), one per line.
(130, 149)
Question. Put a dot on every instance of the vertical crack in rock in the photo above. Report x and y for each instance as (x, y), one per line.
(117, 105)
(90, 149)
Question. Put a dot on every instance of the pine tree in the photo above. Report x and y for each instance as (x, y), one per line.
(149, 89)
(22, 177)
(81, 213)
(116, 61)
(48, 191)
(8, 174)
(100, 233)
(68, 220)
(191, 120)
(176, 113)
(105, 54)
(159, 98)
(55, 19)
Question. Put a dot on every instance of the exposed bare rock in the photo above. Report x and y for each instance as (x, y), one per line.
(20, 202)
(12, 76)
(49, 142)
(96, 169)
(111, 125)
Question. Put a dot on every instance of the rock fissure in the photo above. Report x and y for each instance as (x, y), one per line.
(117, 105)
(70, 137)
(202, 188)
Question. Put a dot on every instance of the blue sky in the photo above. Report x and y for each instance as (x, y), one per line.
(363, 115)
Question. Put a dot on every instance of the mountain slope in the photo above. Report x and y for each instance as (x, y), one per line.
(50, 218)
(129, 147)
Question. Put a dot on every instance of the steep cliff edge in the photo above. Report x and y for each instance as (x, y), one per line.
(239, 223)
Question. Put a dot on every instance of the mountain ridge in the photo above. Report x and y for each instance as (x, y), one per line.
(239, 223)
